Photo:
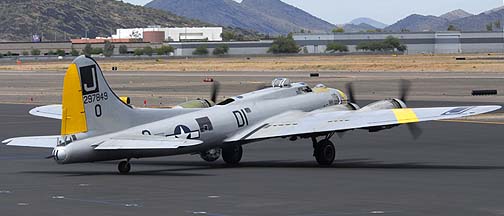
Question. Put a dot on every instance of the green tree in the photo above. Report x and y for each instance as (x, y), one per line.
(123, 49)
(284, 44)
(138, 52)
(87, 50)
(201, 50)
(108, 49)
(452, 28)
(338, 30)
(1, 55)
(498, 24)
(74, 52)
(25, 53)
(336, 47)
(60, 52)
(228, 36)
(35, 52)
(148, 50)
(389, 44)
(8, 53)
(165, 50)
(489, 27)
(221, 50)
(51, 52)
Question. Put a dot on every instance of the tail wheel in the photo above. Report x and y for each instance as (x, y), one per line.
(325, 152)
(232, 154)
(211, 155)
(124, 167)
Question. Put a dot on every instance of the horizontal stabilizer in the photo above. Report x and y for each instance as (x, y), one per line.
(36, 142)
(145, 143)
(49, 111)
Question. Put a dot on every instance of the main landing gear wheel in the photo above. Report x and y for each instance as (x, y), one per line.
(325, 152)
(211, 155)
(232, 154)
(124, 167)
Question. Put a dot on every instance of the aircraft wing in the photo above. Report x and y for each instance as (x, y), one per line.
(303, 123)
(49, 111)
(145, 143)
(36, 141)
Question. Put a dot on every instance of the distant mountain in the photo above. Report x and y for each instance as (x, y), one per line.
(419, 23)
(369, 21)
(19, 19)
(265, 16)
(456, 14)
(362, 27)
(460, 19)
(479, 22)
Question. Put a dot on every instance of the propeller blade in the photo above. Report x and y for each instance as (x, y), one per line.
(215, 91)
(415, 130)
(49, 157)
(350, 93)
(404, 89)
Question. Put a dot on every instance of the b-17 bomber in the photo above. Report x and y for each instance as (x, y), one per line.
(98, 125)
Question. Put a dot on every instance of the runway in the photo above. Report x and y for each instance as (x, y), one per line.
(454, 168)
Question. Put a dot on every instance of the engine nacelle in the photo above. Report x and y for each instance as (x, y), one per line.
(385, 104)
(195, 104)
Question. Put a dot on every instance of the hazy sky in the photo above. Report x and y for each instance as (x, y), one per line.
(387, 11)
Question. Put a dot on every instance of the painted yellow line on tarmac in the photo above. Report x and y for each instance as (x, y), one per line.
(472, 121)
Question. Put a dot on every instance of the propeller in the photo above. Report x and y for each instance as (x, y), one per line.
(350, 93)
(404, 90)
(405, 86)
(415, 130)
(215, 91)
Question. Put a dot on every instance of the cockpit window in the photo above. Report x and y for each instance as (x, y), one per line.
(226, 102)
(65, 140)
(306, 89)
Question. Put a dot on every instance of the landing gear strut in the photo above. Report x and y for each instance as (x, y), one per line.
(124, 167)
(324, 152)
(211, 155)
(232, 154)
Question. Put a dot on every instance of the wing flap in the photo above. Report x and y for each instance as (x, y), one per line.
(49, 111)
(316, 122)
(36, 141)
(145, 143)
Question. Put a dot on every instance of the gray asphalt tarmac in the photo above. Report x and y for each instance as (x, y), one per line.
(453, 169)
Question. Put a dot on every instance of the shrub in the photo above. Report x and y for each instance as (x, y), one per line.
(221, 50)
(51, 52)
(35, 52)
(1, 55)
(201, 50)
(60, 52)
(123, 49)
(108, 49)
(284, 44)
(87, 50)
(74, 52)
(148, 50)
(25, 53)
(336, 47)
(165, 50)
(138, 52)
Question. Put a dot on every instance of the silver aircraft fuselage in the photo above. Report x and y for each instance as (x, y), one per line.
(211, 125)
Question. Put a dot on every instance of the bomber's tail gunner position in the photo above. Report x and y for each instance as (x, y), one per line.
(96, 125)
